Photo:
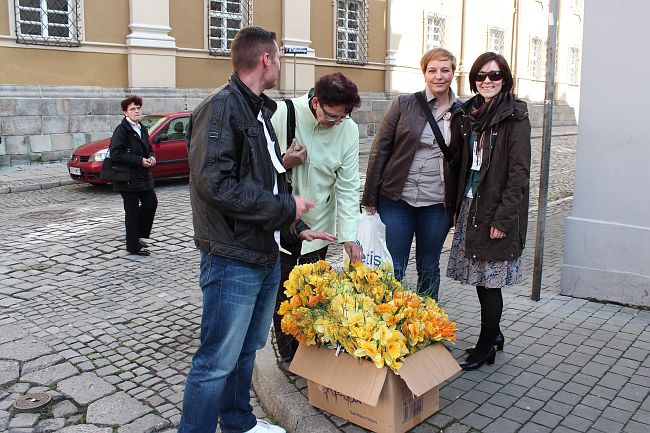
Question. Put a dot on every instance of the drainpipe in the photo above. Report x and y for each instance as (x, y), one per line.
(462, 91)
(514, 46)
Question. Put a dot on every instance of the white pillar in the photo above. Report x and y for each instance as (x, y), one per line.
(151, 51)
(296, 32)
(607, 250)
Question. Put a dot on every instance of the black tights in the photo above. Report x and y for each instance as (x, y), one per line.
(491, 308)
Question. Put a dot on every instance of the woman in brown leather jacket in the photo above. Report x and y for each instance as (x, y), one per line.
(492, 197)
(409, 181)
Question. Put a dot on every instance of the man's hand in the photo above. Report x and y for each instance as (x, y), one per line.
(302, 205)
(148, 162)
(310, 235)
(354, 251)
(293, 157)
(496, 233)
(371, 210)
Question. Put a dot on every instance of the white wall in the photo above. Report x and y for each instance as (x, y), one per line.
(607, 253)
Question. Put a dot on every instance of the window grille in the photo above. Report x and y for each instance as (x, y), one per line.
(496, 40)
(434, 32)
(574, 65)
(225, 19)
(352, 31)
(48, 22)
(537, 58)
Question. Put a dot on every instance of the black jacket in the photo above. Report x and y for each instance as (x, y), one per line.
(501, 200)
(394, 147)
(128, 149)
(231, 177)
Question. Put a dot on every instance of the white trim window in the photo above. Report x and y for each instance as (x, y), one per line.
(47, 22)
(496, 40)
(225, 19)
(574, 65)
(434, 31)
(352, 31)
(537, 56)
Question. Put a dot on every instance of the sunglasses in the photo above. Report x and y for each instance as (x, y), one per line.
(492, 75)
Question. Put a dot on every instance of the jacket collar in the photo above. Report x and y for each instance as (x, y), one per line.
(255, 102)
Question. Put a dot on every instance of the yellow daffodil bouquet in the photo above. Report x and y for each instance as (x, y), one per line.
(364, 311)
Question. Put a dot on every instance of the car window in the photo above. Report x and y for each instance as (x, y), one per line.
(176, 129)
(152, 122)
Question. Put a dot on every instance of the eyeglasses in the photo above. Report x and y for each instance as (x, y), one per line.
(492, 75)
(332, 118)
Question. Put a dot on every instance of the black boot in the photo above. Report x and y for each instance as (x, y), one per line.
(476, 359)
(491, 309)
(498, 343)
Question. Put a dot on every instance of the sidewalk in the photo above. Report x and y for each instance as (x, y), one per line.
(55, 174)
(569, 365)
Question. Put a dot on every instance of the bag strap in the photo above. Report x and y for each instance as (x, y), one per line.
(434, 127)
(291, 134)
(291, 121)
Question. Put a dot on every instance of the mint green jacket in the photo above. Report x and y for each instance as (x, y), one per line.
(330, 174)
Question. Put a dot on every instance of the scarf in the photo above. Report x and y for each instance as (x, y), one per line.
(482, 113)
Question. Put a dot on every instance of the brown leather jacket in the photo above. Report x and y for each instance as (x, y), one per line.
(394, 147)
(501, 200)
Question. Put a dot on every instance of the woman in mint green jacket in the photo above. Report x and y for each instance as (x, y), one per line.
(323, 160)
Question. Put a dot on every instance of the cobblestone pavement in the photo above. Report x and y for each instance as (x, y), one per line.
(110, 336)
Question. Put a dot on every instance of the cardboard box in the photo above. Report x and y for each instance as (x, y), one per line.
(375, 398)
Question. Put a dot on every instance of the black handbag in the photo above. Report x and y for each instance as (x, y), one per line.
(112, 172)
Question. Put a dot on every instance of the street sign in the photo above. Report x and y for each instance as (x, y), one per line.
(295, 50)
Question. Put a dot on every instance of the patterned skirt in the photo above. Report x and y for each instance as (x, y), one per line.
(478, 272)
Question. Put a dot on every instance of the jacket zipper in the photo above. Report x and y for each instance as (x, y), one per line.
(488, 167)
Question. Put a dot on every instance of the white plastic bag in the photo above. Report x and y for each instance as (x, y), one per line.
(371, 235)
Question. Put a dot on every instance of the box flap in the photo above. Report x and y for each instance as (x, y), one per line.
(359, 379)
(428, 368)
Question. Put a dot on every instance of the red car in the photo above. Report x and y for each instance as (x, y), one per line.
(167, 136)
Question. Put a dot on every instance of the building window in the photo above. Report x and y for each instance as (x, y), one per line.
(496, 40)
(352, 31)
(537, 57)
(574, 65)
(434, 32)
(47, 22)
(225, 19)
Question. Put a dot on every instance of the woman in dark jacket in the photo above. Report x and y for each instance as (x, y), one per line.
(130, 147)
(492, 197)
(409, 181)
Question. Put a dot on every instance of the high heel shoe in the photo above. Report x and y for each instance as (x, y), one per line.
(499, 341)
(475, 360)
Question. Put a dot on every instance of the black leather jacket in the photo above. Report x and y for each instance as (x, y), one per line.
(231, 177)
(128, 149)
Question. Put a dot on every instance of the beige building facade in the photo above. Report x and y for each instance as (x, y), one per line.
(62, 54)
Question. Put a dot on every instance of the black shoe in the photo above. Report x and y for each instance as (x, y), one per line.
(475, 360)
(141, 252)
(499, 341)
(143, 244)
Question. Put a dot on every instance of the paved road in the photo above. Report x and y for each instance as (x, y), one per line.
(110, 336)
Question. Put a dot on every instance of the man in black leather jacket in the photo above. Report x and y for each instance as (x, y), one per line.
(239, 205)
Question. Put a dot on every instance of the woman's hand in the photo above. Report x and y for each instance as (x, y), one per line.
(148, 162)
(495, 233)
(310, 235)
(354, 251)
(293, 156)
(371, 210)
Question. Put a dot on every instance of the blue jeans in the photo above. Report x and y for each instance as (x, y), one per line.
(430, 224)
(238, 301)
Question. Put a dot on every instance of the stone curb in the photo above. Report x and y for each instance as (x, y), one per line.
(36, 186)
(282, 400)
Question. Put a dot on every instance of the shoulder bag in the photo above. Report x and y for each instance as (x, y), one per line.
(436, 130)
